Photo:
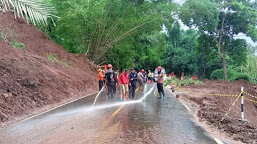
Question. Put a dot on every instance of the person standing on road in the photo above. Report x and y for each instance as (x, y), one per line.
(144, 76)
(101, 78)
(149, 76)
(111, 82)
(160, 80)
(152, 77)
(117, 73)
(141, 80)
(124, 80)
(132, 83)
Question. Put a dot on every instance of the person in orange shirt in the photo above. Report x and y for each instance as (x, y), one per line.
(101, 78)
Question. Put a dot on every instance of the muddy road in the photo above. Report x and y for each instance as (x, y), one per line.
(149, 121)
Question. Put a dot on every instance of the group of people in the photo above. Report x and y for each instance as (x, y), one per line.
(129, 81)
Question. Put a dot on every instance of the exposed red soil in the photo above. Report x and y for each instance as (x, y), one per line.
(213, 108)
(29, 81)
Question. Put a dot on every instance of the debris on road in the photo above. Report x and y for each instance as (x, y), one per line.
(213, 108)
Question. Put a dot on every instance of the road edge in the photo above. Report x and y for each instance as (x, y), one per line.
(218, 141)
(25, 119)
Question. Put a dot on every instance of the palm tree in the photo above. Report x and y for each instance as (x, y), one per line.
(36, 11)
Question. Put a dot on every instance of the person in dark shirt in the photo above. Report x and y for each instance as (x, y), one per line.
(111, 82)
(132, 83)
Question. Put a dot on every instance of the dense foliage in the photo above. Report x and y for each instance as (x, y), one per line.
(180, 55)
(145, 34)
(125, 33)
(250, 67)
(232, 75)
(223, 20)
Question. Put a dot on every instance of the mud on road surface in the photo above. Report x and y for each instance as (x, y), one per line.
(213, 108)
(150, 121)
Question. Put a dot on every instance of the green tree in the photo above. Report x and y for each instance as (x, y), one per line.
(250, 68)
(222, 20)
(106, 29)
(180, 55)
(208, 60)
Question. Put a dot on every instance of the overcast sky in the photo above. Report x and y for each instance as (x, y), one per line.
(240, 35)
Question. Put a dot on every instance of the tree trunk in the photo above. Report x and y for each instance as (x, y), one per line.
(225, 68)
(204, 70)
(223, 57)
(201, 63)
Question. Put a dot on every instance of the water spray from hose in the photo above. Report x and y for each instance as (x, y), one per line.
(104, 106)
(97, 96)
(145, 89)
(148, 93)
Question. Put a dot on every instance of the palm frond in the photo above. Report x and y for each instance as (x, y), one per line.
(37, 11)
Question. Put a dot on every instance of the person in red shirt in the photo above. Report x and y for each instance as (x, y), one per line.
(124, 80)
(172, 74)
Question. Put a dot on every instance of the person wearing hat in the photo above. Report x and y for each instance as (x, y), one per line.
(141, 79)
(160, 80)
(124, 80)
(111, 82)
(100, 78)
(132, 83)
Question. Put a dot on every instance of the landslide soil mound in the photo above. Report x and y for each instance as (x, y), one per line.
(213, 108)
(29, 81)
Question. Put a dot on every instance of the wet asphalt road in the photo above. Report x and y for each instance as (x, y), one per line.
(150, 121)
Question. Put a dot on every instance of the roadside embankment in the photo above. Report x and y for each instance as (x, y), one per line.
(212, 108)
(36, 73)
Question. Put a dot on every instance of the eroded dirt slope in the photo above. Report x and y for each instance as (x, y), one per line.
(213, 108)
(29, 81)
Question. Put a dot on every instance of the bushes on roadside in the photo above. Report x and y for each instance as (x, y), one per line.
(182, 82)
(232, 75)
(217, 74)
(239, 76)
